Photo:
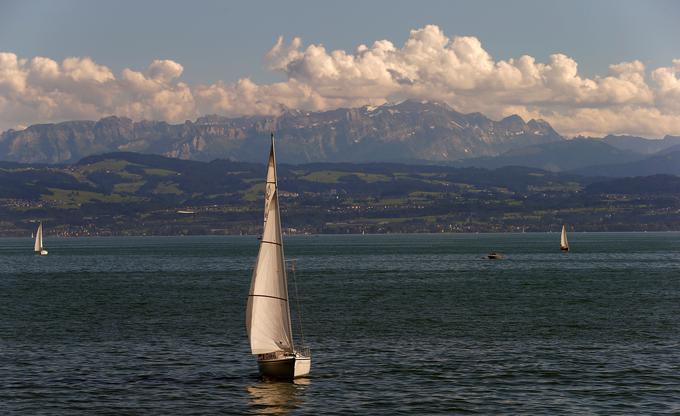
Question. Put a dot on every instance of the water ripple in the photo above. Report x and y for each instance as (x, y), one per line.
(399, 324)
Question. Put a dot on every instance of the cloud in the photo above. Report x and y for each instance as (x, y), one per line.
(429, 65)
(43, 90)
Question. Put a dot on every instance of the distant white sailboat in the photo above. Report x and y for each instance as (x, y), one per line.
(564, 244)
(38, 247)
(268, 321)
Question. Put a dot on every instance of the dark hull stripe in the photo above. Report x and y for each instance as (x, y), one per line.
(267, 296)
(283, 369)
(271, 242)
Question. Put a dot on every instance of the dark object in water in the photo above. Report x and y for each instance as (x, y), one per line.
(494, 256)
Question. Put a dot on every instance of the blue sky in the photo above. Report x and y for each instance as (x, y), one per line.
(219, 41)
(227, 40)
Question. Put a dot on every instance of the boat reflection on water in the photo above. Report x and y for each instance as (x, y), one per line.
(271, 397)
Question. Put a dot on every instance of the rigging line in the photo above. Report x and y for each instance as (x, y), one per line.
(297, 301)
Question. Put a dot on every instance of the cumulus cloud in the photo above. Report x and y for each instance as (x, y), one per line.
(429, 65)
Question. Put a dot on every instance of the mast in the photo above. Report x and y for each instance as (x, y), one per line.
(268, 320)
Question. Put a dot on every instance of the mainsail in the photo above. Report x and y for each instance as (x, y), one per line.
(563, 240)
(38, 239)
(268, 314)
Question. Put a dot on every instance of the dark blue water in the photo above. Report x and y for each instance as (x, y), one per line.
(398, 324)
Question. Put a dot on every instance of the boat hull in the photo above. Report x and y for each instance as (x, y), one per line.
(280, 368)
(286, 368)
(564, 248)
(303, 365)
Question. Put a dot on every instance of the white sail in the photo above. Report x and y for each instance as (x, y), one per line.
(563, 240)
(268, 314)
(38, 239)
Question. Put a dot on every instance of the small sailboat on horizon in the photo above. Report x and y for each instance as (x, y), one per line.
(268, 318)
(38, 246)
(564, 244)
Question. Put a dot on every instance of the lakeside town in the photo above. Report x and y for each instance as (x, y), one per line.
(151, 195)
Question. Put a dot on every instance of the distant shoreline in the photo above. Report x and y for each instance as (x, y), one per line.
(48, 236)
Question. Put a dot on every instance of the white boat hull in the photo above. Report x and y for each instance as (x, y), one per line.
(43, 252)
(303, 365)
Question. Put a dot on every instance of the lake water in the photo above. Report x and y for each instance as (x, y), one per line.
(398, 324)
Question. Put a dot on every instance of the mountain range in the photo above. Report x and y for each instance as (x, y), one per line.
(585, 157)
(564, 155)
(416, 132)
(409, 131)
(642, 145)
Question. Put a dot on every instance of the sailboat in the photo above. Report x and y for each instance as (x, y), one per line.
(38, 247)
(268, 321)
(564, 244)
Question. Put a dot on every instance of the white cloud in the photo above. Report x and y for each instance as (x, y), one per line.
(430, 65)
(43, 90)
(165, 70)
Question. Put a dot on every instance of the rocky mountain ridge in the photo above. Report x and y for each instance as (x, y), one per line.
(409, 131)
